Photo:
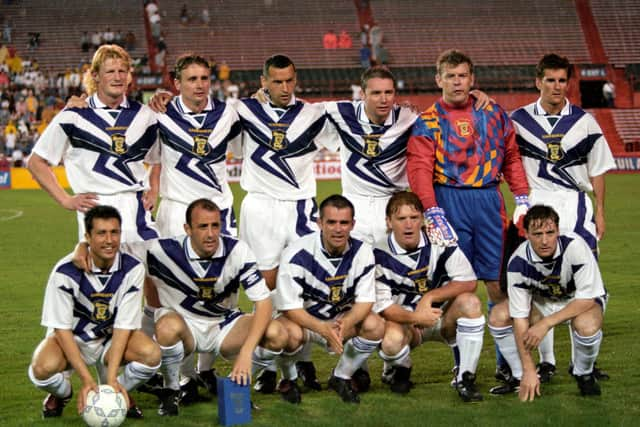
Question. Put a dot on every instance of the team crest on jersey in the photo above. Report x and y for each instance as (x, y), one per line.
(553, 285)
(371, 145)
(554, 151)
(464, 127)
(118, 143)
(422, 285)
(278, 140)
(335, 294)
(206, 293)
(101, 312)
(201, 146)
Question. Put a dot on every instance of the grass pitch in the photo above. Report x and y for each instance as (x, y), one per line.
(35, 233)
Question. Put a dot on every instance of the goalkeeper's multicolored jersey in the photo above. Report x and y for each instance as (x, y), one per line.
(572, 273)
(565, 155)
(404, 277)
(194, 151)
(204, 289)
(374, 162)
(323, 285)
(463, 147)
(278, 150)
(103, 149)
(92, 304)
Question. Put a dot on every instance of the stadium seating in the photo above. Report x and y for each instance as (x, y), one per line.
(250, 31)
(61, 24)
(617, 21)
(628, 126)
(500, 32)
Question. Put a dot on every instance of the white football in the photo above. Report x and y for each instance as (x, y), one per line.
(105, 408)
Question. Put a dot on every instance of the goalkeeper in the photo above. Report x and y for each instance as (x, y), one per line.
(456, 158)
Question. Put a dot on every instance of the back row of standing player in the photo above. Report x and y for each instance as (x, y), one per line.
(452, 146)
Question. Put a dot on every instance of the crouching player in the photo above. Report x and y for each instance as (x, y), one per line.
(425, 292)
(325, 290)
(93, 318)
(198, 277)
(552, 278)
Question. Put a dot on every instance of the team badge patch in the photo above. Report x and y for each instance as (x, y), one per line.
(422, 285)
(553, 284)
(371, 145)
(335, 294)
(554, 151)
(201, 146)
(464, 127)
(101, 312)
(118, 144)
(206, 293)
(278, 140)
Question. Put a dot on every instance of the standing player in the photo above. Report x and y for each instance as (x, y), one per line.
(553, 278)
(94, 318)
(103, 148)
(425, 292)
(198, 278)
(456, 158)
(565, 156)
(325, 291)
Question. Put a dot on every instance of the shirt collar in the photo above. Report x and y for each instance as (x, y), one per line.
(566, 110)
(399, 250)
(534, 258)
(186, 110)
(328, 255)
(363, 118)
(292, 102)
(114, 267)
(95, 102)
(193, 256)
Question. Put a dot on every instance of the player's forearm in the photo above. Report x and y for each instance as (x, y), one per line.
(261, 318)
(570, 311)
(396, 313)
(119, 342)
(420, 161)
(449, 291)
(520, 327)
(305, 320)
(154, 179)
(359, 311)
(598, 184)
(72, 354)
(43, 174)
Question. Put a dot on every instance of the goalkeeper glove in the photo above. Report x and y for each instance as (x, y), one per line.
(439, 231)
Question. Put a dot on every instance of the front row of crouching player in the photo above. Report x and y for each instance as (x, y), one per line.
(332, 290)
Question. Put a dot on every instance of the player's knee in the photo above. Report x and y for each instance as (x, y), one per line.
(372, 327)
(295, 336)
(494, 292)
(150, 354)
(275, 336)
(470, 305)
(393, 341)
(168, 330)
(499, 316)
(587, 325)
(43, 369)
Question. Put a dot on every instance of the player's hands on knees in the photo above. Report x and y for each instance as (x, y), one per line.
(529, 386)
(80, 202)
(482, 99)
(241, 371)
(82, 396)
(534, 335)
(427, 317)
(77, 101)
(159, 101)
(333, 334)
(439, 231)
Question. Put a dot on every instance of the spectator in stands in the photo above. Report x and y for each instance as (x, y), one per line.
(156, 30)
(184, 15)
(85, 41)
(108, 36)
(6, 32)
(151, 7)
(365, 56)
(34, 41)
(118, 38)
(224, 71)
(4, 53)
(380, 55)
(17, 157)
(4, 162)
(205, 16)
(375, 36)
(330, 40)
(344, 40)
(364, 35)
(130, 41)
(96, 40)
(10, 137)
(609, 93)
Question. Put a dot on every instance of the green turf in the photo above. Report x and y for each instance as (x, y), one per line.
(31, 243)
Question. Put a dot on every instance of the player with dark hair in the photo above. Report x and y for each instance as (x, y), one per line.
(456, 159)
(93, 318)
(325, 291)
(425, 293)
(565, 156)
(553, 278)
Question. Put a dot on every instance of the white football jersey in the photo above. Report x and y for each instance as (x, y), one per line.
(278, 152)
(204, 289)
(325, 286)
(103, 149)
(92, 304)
(564, 155)
(194, 150)
(373, 157)
(404, 277)
(572, 273)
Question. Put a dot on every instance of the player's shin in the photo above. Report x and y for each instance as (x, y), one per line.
(262, 358)
(136, 373)
(506, 341)
(356, 351)
(56, 384)
(586, 352)
(171, 359)
(469, 336)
